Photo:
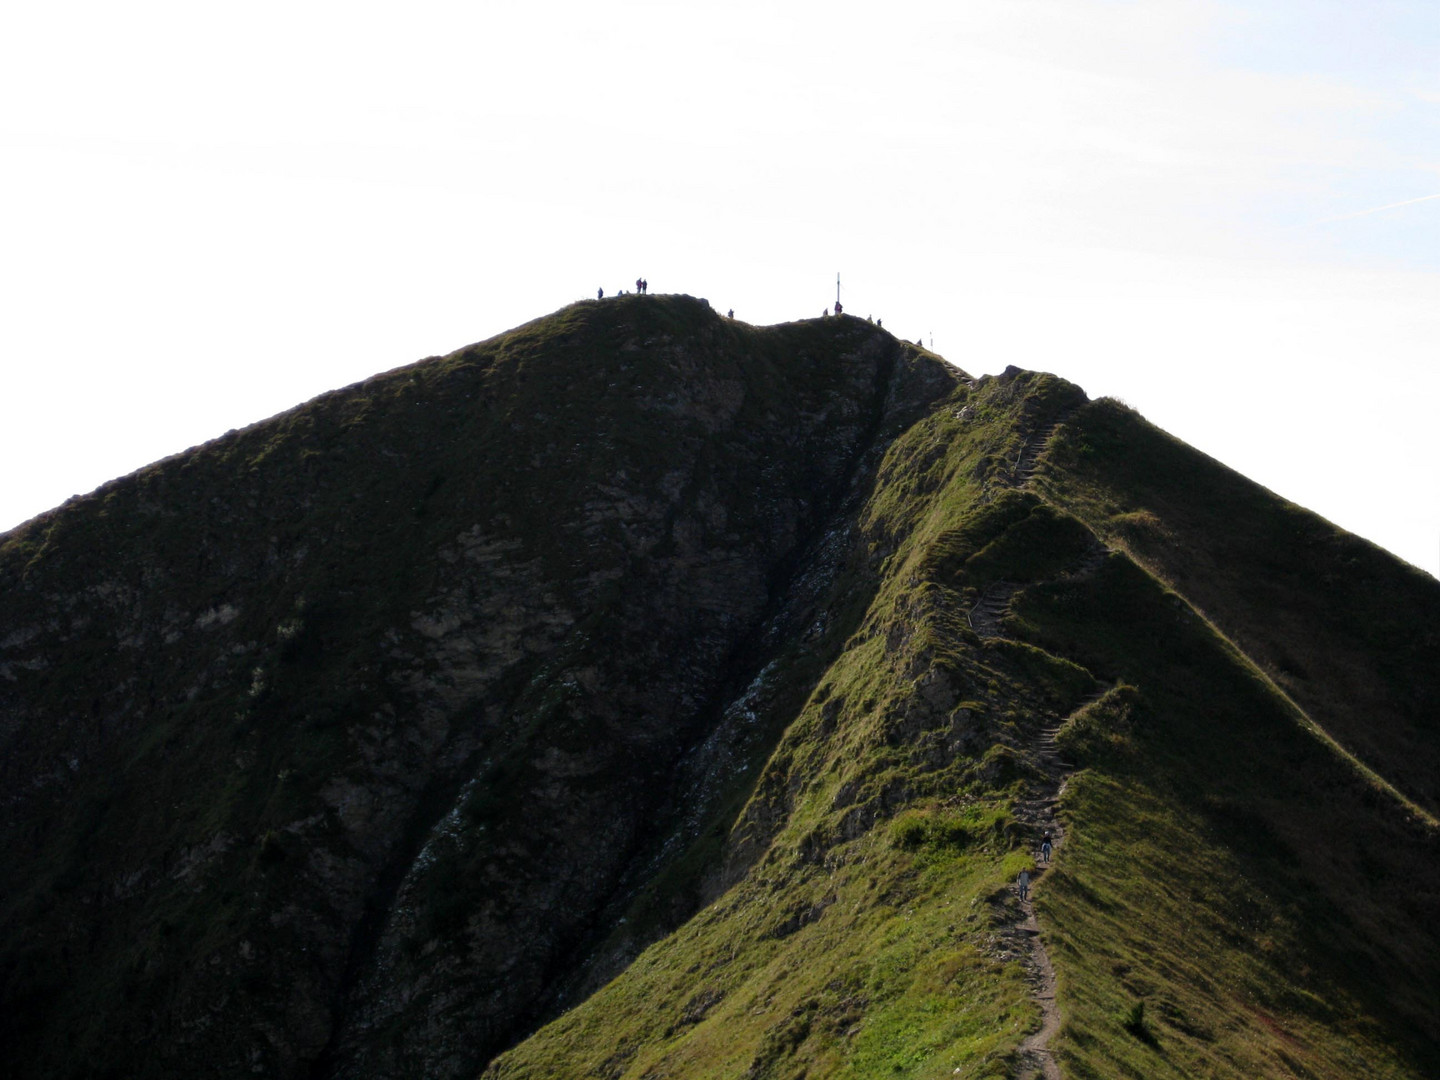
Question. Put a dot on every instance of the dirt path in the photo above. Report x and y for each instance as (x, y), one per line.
(988, 613)
(1038, 813)
(1036, 1059)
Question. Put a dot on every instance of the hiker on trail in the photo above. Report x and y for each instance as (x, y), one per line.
(1024, 885)
(879, 322)
(826, 313)
(838, 308)
(644, 285)
(600, 294)
(1045, 849)
(639, 285)
(730, 314)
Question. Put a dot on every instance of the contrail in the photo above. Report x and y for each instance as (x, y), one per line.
(1375, 209)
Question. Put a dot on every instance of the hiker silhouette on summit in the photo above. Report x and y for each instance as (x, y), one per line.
(600, 294)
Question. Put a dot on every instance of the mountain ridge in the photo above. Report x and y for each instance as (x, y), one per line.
(406, 733)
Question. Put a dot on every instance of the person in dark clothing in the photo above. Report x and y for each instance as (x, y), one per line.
(600, 294)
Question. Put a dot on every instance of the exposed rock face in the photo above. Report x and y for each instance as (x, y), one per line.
(370, 706)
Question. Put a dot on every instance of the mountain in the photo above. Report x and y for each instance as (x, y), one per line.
(640, 693)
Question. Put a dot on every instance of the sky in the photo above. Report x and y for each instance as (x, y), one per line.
(1225, 214)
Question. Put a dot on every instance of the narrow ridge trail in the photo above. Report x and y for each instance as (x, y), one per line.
(1037, 813)
(988, 614)
(1035, 447)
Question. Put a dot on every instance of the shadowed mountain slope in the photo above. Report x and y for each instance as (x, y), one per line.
(252, 694)
(644, 694)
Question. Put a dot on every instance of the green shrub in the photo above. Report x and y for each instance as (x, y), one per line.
(908, 832)
(938, 831)
(1133, 1021)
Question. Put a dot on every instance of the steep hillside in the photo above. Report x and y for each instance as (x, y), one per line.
(327, 742)
(643, 694)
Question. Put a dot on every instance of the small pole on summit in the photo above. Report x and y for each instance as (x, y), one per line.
(837, 287)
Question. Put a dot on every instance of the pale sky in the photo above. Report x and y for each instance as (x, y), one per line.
(210, 213)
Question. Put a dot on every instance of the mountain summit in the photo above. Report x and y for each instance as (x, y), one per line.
(640, 693)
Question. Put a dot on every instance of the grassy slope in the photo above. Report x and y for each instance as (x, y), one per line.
(1272, 907)
(1224, 866)
(1347, 630)
(1227, 868)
